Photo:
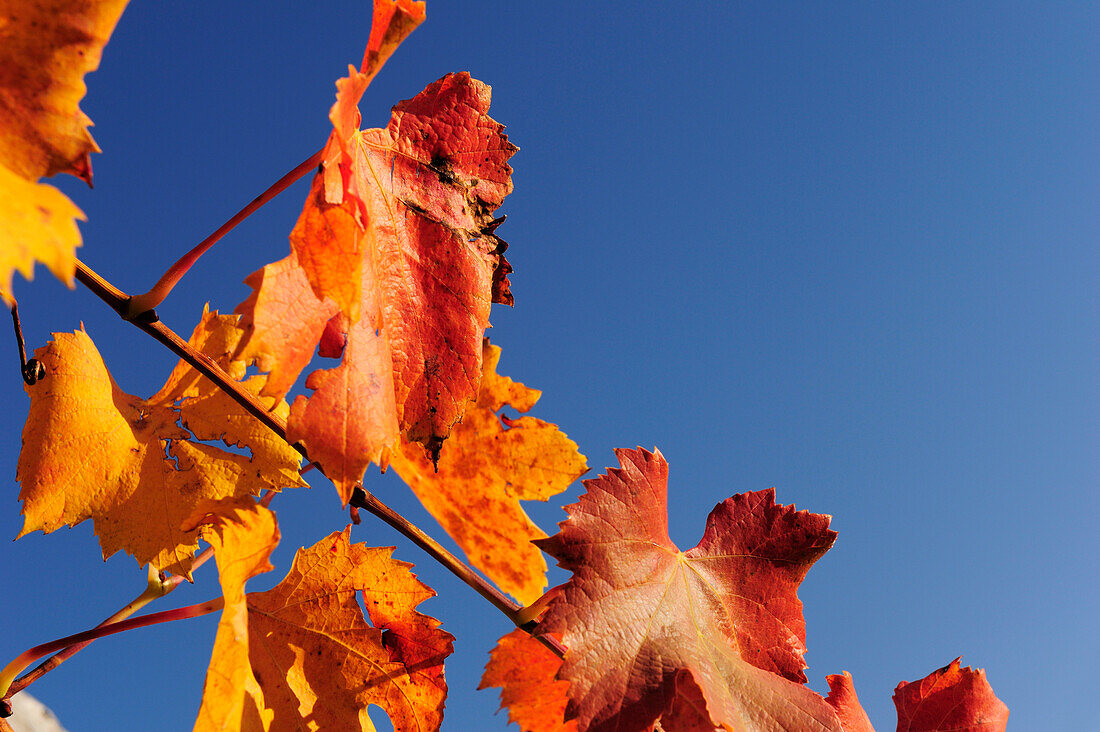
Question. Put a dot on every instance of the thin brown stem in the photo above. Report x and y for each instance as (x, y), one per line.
(367, 501)
(31, 370)
(360, 499)
(201, 362)
(142, 303)
(33, 654)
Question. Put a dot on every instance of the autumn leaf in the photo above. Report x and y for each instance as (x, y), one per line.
(46, 48)
(348, 422)
(842, 697)
(429, 265)
(211, 414)
(316, 657)
(492, 463)
(243, 535)
(644, 622)
(392, 22)
(37, 224)
(92, 451)
(283, 320)
(951, 698)
(524, 670)
(409, 254)
(327, 238)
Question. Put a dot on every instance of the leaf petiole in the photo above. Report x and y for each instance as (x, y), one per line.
(33, 654)
(139, 304)
(156, 588)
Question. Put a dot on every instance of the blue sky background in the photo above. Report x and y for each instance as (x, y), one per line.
(849, 252)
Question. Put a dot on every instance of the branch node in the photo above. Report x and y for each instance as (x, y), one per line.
(147, 317)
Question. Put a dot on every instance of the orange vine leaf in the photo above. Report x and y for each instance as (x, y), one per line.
(392, 22)
(283, 320)
(492, 463)
(525, 670)
(92, 451)
(316, 658)
(49, 45)
(656, 634)
(243, 535)
(46, 48)
(950, 698)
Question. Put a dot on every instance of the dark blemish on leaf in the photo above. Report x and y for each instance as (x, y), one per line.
(441, 166)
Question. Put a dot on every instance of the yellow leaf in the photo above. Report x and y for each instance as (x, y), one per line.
(211, 414)
(243, 535)
(90, 450)
(37, 224)
(318, 661)
(487, 467)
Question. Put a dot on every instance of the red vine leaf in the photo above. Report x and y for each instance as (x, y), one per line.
(951, 698)
(409, 254)
(644, 623)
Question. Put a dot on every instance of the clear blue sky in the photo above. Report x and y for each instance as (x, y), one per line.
(847, 252)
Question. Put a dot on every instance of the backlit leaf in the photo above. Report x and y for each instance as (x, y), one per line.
(283, 321)
(37, 224)
(842, 697)
(491, 464)
(320, 663)
(408, 251)
(951, 698)
(243, 535)
(92, 451)
(525, 670)
(644, 622)
(46, 48)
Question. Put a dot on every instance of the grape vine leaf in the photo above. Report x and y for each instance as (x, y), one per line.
(392, 23)
(243, 535)
(37, 224)
(320, 664)
(950, 698)
(842, 697)
(46, 48)
(284, 321)
(492, 463)
(92, 451)
(419, 203)
(644, 622)
(525, 670)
